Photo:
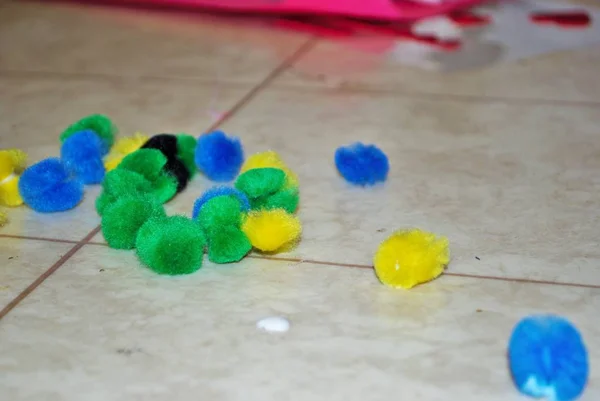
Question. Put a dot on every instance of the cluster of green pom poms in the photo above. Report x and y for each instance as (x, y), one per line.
(226, 222)
(133, 216)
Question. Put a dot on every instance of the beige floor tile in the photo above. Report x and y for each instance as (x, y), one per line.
(562, 76)
(104, 328)
(23, 261)
(33, 112)
(509, 184)
(92, 40)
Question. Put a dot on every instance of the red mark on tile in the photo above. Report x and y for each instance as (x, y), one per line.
(563, 19)
(468, 19)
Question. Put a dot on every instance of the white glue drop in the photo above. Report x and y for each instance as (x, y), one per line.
(273, 324)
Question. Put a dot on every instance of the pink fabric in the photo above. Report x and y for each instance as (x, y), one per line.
(377, 9)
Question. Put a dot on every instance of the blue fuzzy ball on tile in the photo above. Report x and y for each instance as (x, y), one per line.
(220, 191)
(82, 154)
(548, 358)
(361, 164)
(48, 187)
(218, 156)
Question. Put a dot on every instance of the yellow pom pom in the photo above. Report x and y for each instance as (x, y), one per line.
(270, 159)
(12, 163)
(411, 257)
(272, 230)
(122, 148)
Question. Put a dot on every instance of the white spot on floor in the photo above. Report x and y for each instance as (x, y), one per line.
(273, 324)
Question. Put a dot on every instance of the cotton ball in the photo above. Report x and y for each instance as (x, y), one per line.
(220, 191)
(47, 187)
(82, 154)
(227, 245)
(548, 358)
(100, 124)
(361, 164)
(167, 145)
(218, 156)
(270, 159)
(272, 230)
(123, 219)
(120, 183)
(123, 147)
(411, 257)
(171, 246)
(150, 163)
(12, 164)
(186, 152)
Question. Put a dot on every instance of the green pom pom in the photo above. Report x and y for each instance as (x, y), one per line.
(172, 245)
(260, 182)
(186, 148)
(220, 211)
(149, 163)
(98, 123)
(286, 199)
(120, 183)
(227, 245)
(123, 219)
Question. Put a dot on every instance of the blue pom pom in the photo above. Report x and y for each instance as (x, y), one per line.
(362, 164)
(220, 191)
(82, 154)
(548, 359)
(47, 187)
(218, 156)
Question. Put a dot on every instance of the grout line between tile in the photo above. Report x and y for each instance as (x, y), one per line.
(338, 264)
(6, 310)
(305, 47)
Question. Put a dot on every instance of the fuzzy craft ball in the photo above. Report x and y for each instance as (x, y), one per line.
(150, 163)
(218, 156)
(361, 164)
(548, 358)
(123, 219)
(411, 257)
(12, 164)
(220, 191)
(100, 124)
(47, 187)
(186, 152)
(272, 231)
(120, 183)
(167, 145)
(122, 147)
(266, 189)
(271, 159)
(82, 155)
(171, 246)
(228, 245)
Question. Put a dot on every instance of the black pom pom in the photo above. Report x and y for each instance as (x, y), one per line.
(166, 143)
(178, 170)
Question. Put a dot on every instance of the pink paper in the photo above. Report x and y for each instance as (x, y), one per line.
(376, 9)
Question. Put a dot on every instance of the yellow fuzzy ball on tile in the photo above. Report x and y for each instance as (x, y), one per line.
(12, 164)
(411, 257)
(122, 148)
(270, 159)
(272, 230)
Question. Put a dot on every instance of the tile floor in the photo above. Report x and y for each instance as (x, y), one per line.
(503, 161)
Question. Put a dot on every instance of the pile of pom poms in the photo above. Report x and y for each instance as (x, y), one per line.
(548, 358)
(227, 222)
(362, 165)
(57, 184)
(259, 212)
(411, 257)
